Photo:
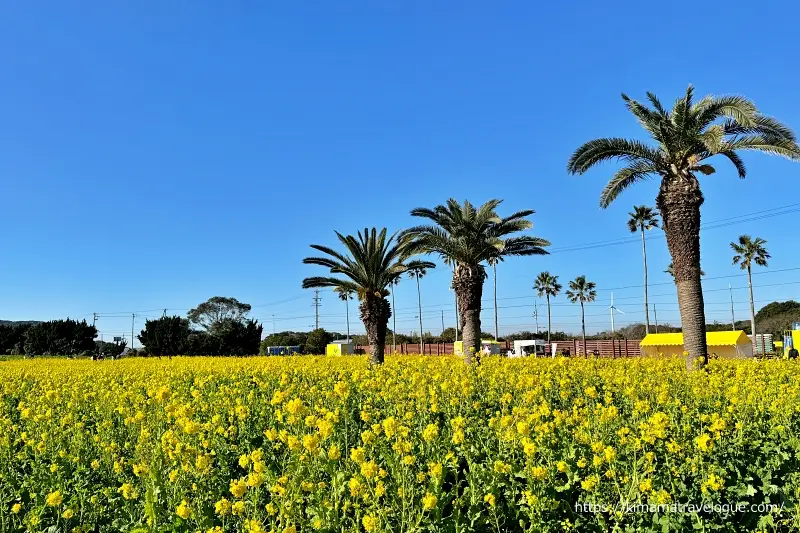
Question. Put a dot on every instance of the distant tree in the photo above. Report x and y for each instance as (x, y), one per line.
(60, 337)
(217, 312)
(284, 338)
(110, 349)
(417, 272)
(749, 251)
(167, 335)
(547, 285)
(317, 342)
(643, 218)
(346, 295)
(12, 337)
(240, 338)
(685, 139)
(583, 291)
(370, 264)
(448, 335)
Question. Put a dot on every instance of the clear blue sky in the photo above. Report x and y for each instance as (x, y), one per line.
(155, 154)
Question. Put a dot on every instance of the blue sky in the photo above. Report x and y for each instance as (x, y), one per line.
(155, 154)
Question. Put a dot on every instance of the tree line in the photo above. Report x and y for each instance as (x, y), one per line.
(468, 239)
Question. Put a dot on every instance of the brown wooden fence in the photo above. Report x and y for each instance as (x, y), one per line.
(601, 348)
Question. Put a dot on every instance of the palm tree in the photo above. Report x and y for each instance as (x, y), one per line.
(749, 251)
(643, 218)
(346, 295)
(685, 137)
(547, 285)
(372, 262)
(417, 273)
(671, 271)
(395, 281)
(468, 237)
(582, 291)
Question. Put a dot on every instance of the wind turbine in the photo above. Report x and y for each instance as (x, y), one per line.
(612, 309)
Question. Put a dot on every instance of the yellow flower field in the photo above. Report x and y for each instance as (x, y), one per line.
(420, 444)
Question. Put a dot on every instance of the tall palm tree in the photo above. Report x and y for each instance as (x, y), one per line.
(685, 137)
(346, 295)
(643, 218)
(417, 273)
(547, 285)
(372, 261)
(395, 281)
(583, 291)
(468, 237)
(749, 251)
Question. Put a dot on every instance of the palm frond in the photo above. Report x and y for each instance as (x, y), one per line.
(599, 150)
(623, 179)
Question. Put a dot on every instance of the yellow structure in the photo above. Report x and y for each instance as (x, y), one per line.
(493, 346)
(728, 344)
(339, 348)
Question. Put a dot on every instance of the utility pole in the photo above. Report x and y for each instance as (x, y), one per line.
(442, 320)
(133, 321)
(316, 308)
(165, 312)
(94, 319)
(536, 313)
(655, 317)
(733, 319)
(273, 323)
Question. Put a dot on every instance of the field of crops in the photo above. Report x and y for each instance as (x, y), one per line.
(419, 444)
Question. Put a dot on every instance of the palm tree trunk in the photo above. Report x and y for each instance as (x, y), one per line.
(496, 331)
(375, 313)
(752, 310)
(549, 346)
(583, 331)
(468, 286)
(646, 306)
(679, 202)
(394, 323)
(419, 304)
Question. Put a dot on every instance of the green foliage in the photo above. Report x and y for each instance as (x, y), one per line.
(462, 234)
(581, 290)
(777, 317)
(110, 349)
(749, 251)
(60, 337)
(12, 337)
(284, 338)
(317, 341)
(642, 218)
(372, 262)
(217, 312)
(167, 335)
(683, 138)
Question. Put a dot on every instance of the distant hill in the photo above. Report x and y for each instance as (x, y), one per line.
(777, 317)
(18, 322)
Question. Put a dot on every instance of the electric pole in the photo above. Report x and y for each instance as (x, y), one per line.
(316, 308)
(733, 319)
(94, 319)
(133, 321)
(442, 320)
(655, 317)
(536, 313)
(165, 312)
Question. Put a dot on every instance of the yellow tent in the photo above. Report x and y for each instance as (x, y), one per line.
(731, 344)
